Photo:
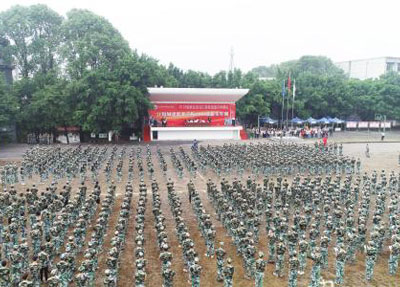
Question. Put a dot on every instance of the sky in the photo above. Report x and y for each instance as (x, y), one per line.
(199, 35)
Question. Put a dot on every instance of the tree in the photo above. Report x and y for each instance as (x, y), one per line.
(43, 103)
(8, 104)
(220, 80)
(253, 106)
(261, 99)
(388, 102)
(108, 80)
(107, 101)
(34, 35)
(90, 42)
(81, 71)
(265, 72)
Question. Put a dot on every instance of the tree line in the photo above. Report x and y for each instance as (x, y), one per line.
(322, 89)
(78, 70)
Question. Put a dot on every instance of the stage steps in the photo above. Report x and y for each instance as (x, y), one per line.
(146, 133)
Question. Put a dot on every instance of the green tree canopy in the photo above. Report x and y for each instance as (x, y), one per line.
(8, 104)
(34, 36)
(79, 70)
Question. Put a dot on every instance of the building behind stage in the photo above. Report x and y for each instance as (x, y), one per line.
(369, 68)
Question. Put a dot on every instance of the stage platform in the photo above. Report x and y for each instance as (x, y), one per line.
(198, 133)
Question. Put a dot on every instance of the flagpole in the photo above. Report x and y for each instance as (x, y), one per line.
(283, 102)
(294, 92)
(287, 111)
(283, 105)
(288, 103)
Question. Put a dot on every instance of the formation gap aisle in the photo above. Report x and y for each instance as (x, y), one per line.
(153, 266)
(113, 218)
(127, 258)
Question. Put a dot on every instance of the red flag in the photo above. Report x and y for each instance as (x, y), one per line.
(289, 83)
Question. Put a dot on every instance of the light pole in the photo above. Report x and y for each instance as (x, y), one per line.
(283, 105)
(384, 124)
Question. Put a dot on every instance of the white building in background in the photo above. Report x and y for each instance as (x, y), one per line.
(369, 68)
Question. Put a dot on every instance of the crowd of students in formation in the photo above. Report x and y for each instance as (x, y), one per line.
(311, 204)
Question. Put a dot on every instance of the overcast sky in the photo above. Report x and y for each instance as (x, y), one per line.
(199, 34)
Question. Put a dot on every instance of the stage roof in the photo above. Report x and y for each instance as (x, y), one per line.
(196, 95)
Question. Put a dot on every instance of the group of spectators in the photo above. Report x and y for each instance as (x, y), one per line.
(199, 122)
(303, 132)
(154, 123)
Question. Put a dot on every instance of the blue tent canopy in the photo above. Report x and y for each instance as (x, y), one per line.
(311, 121)
(337, 121)
(267, 120)
(297, 121)
(324, 121)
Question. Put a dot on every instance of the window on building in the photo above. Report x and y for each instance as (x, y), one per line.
(389, 66)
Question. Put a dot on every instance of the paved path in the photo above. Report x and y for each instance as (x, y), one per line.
(12, 151)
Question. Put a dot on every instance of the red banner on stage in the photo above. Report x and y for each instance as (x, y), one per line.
(190, 114)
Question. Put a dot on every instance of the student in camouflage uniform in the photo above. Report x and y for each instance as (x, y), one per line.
(168, 276)
(371, 253)
(324, 251)
(316, 268)
(293, 269)
(249, 260)
(5, 280)
(54, 279)
(16, 265)
(260, 269)
(195, 270)
(109, 280)
(44, 262)
(229, 270)
(25, 281)
(81, 279)
(34, 269)
(394, 257)
(279, 266)
(220, 261)
(340, 263)
(303, 249)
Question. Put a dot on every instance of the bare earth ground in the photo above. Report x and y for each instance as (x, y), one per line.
(383, 156)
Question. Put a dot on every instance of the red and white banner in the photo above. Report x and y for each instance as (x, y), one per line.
(362, 125)
(351, 125)
(374, 125)
(178, 115)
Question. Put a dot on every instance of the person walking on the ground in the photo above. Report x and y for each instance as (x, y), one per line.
(382, 136)
(325, 140)
(367, 151)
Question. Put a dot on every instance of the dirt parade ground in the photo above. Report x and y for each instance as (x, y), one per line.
(383, 156)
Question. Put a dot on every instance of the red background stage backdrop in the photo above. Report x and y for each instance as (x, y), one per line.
(178, 114)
